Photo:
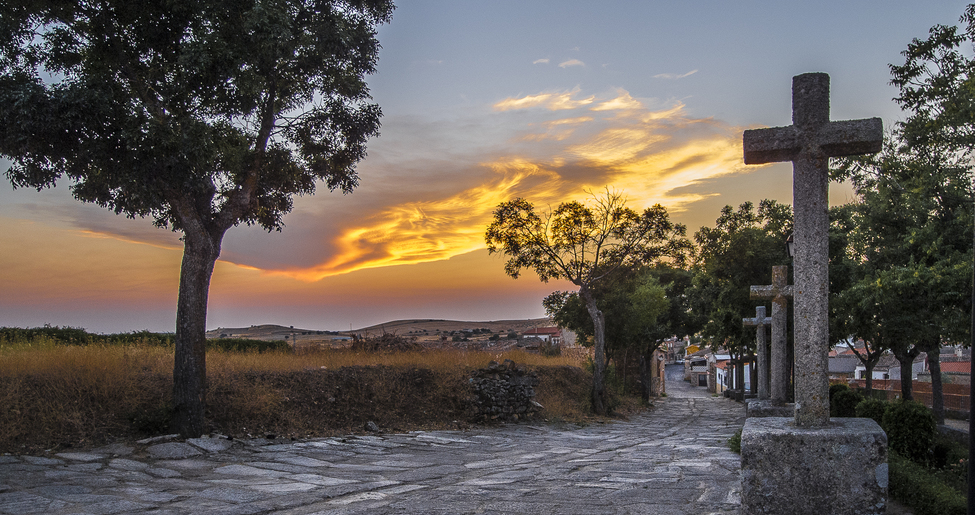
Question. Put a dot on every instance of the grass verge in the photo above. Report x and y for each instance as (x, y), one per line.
(55, 396)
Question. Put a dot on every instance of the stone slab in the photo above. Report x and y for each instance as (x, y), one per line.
(765, 408)
(840, 469)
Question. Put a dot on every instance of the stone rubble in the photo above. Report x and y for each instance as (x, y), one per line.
(503, 392)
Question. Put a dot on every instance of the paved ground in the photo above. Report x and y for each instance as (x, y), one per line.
(672, 460)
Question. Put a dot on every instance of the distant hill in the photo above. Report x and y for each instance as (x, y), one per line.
(424, 329)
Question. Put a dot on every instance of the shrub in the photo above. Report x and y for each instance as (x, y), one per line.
(910, 428)
(734, 443)
(836, 388)
(844, 403)
(872, 408)
(915, 486)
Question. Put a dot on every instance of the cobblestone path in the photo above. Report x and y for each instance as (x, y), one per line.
(671, 460)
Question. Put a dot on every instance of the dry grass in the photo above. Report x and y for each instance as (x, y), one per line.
(57, 396)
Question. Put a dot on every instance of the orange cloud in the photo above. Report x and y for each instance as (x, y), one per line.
(618, 142)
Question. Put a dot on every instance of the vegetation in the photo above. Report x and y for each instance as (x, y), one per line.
(201, 115)
(585, 245)
(739, 251)
(57, 394)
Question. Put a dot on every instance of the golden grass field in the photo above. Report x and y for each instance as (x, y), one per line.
(58, 396)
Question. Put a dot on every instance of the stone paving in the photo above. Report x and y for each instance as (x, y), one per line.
(671, 460)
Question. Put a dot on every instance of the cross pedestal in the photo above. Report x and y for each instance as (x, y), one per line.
(810, 464)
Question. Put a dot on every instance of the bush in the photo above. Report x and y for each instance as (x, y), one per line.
(734, 443)
(872, 408)
(914, 486)
(836, 388)
(844, 403)
(245, 345)
(910, 428)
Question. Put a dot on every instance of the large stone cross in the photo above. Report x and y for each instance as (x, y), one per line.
(809, 143)
(779, 293)
(760, 322)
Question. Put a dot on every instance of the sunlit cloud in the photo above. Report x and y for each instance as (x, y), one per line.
(571, 62)
(674, 76)
(540, 61)
(551, 101)
(622, 102)
(616, 142)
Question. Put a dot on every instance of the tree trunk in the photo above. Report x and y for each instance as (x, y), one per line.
(200, 253)
(599, 358)
(906, 359)
(869, 379)
(937, 390)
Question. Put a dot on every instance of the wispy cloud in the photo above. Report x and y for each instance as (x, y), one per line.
(553, 101)
(571, 62)
(540, 61)
(622, 102)
(674, 76)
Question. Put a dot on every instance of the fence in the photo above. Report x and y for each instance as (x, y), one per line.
(955, 395)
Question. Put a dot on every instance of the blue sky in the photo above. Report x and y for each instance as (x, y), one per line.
(484, 101)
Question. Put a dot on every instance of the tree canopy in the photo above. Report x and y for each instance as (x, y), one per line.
(738, 252)
(585, 244)
(201, 114)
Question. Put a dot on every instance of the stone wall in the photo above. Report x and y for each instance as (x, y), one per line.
(503, 392)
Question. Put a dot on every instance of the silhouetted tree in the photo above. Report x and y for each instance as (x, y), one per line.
(201, 114)
(584, 245)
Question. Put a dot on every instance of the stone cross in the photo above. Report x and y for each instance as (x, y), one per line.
(779, 293)
(760, 322)
(809, 143)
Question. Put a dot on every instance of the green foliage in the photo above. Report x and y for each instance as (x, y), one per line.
(244, 345)
(836, 388)
(734, 443)
(910, 428)
(915, 486)
(68, 335)
(844, 403)
(739, 251)
(872, 408)
(631, 301)
(585, 245)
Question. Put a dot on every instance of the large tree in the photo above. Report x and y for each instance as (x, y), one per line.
(910, 250)
(738, 252)
(585, 244)
(201, 114)
(636, 307)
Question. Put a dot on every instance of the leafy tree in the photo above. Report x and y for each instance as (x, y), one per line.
(937, 88)
(585, 244)
(201, 114)
(633, 303)
(734, 255)
(911, 254)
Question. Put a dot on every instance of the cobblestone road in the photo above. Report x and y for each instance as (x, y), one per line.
(671, 460)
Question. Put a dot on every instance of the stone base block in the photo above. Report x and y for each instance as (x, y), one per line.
(840, 469)
(757, 408)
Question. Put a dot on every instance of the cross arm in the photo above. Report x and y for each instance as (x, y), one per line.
(770, 292)
(852, 137)
(771, 145)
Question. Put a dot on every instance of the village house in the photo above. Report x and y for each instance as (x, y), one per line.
(550, 335)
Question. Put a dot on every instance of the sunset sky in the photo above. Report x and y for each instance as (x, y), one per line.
(484, 102)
